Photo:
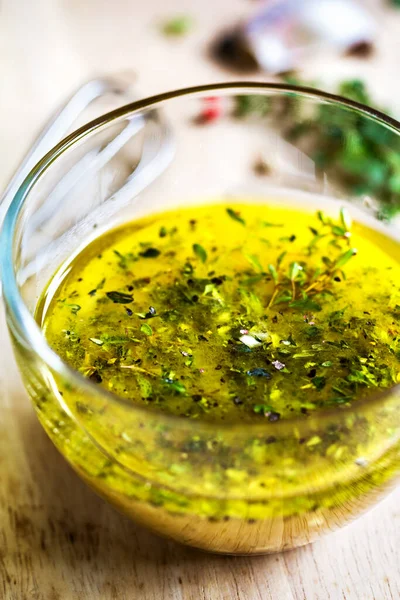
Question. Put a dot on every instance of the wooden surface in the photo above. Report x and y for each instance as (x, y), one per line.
(58, 541)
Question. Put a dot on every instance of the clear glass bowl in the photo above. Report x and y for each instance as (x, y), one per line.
(232, 489)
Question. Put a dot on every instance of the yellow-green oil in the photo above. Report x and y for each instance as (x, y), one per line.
(243, 314)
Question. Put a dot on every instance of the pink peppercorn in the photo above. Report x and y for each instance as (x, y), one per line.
(211, 110)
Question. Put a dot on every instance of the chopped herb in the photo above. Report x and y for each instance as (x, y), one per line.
(235, 215)
(268, 224)
(99, 286)
(120, 297)
(345, 257)
(174, 385)
(305, 304)
(273, 272)
(96, 341)
(178, 26)
(200, 252)
(262, 409)
(254, 261)
(145, 328)
(258, 372)
(319, 382)
(74, 308)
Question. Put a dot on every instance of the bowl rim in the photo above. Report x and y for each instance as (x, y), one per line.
(22, 319)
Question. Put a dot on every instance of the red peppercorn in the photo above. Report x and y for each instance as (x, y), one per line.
(212, 110)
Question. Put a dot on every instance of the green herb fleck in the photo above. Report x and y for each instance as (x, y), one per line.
(74, 308)
(235, 215)
(200, 252)
(178, 26)
(96, 341)
(345, 257)
(145, 328)
(254, 261)
(319, 382)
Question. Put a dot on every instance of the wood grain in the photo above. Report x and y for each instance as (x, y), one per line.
(58, 541)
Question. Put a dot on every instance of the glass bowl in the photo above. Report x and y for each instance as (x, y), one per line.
(237, 489)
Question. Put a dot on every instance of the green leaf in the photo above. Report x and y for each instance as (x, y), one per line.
(99, 286)
(312, 331)
(146, 389)
(96, 341)
(254, 261)
(319, 382)
(252, 280)
(268, 224)
(145, 328)
(322, 217)
(235, 215)
(280, 258)
(294, 270)
(339, 231)
(345, 257)
(327, 261)
(345, 219)
(176, 386)
(120, 297)
(200, 252)
(305, 304)
(262, 408)
(336, 315)
(273, 272)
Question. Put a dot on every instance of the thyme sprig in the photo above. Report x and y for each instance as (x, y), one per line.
(294, 284)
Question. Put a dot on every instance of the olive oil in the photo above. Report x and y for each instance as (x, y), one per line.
(245, 345)
(232, 313)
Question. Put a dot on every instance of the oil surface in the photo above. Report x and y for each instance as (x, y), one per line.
(235, 313)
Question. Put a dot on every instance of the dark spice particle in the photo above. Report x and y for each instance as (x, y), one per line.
(270, 439)
(150, 253)
(217, 280)
(129, 312)
(237, 400)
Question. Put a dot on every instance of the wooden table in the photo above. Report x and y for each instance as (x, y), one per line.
(58, 541)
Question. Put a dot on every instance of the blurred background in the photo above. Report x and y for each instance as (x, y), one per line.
(50, 47)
